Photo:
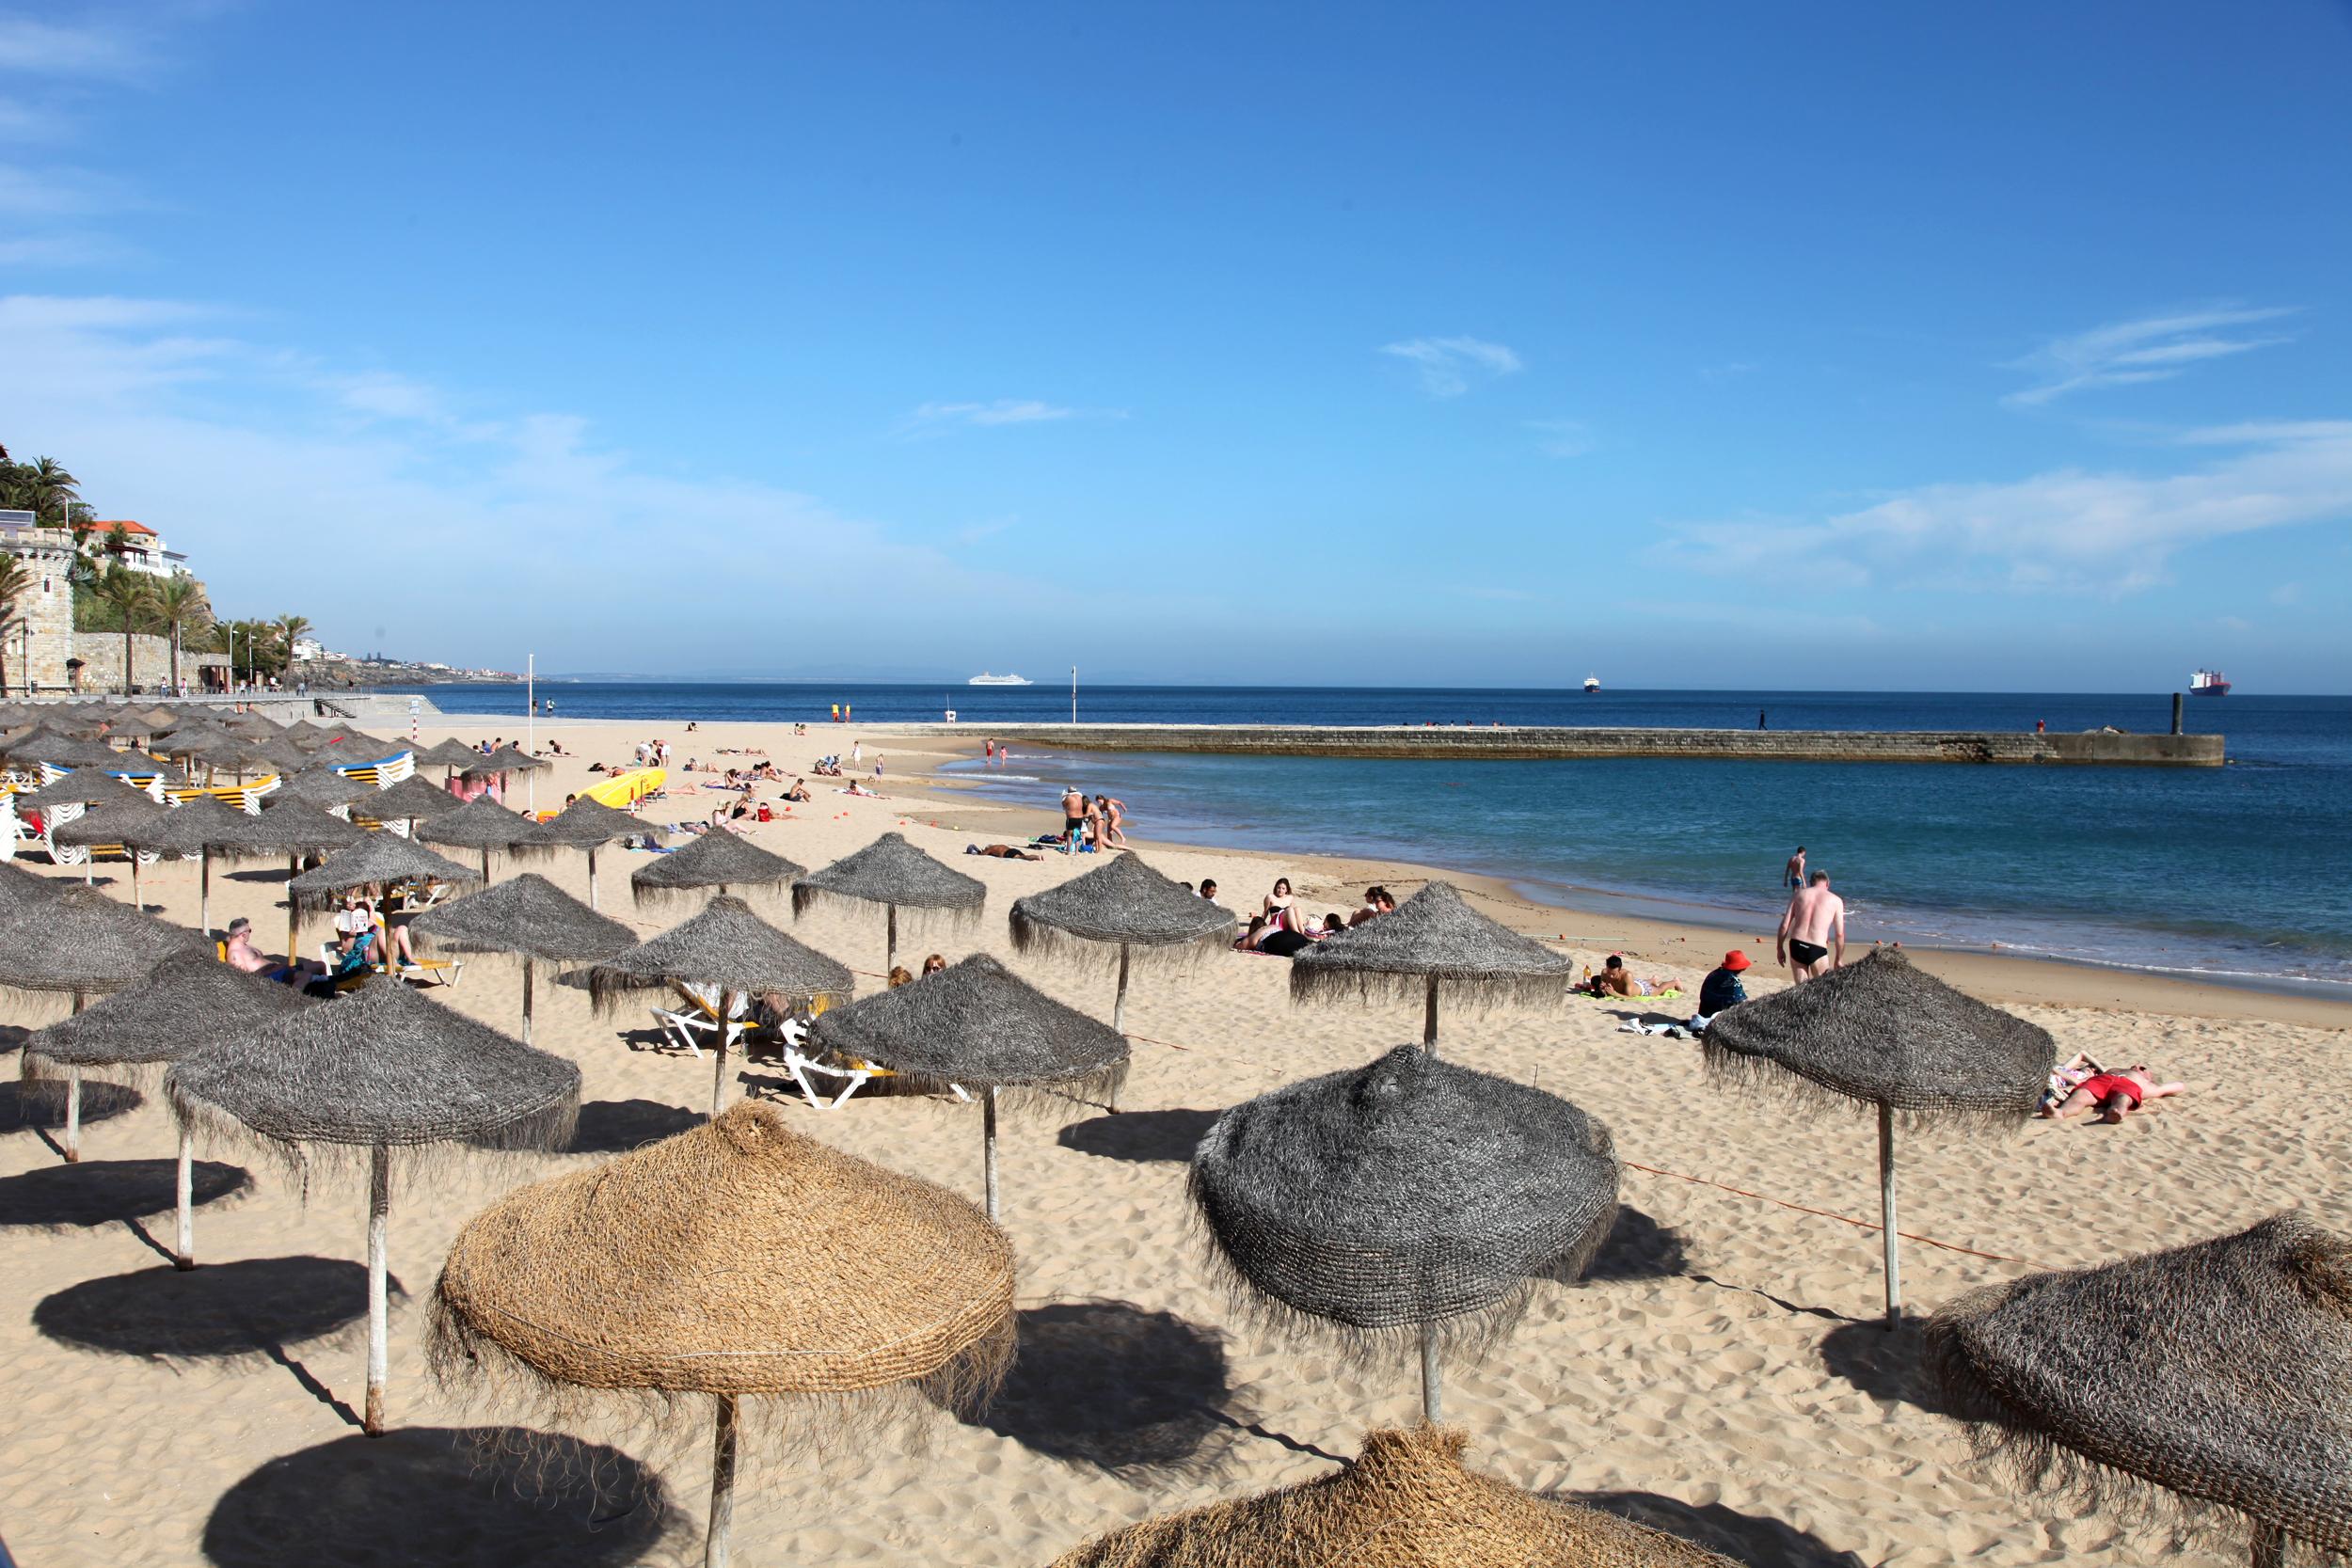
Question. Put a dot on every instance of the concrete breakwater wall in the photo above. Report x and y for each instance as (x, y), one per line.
(2098, 748)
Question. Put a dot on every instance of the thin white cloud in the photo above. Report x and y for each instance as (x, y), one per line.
(2066, 532)
(2152, 348)
(87, 52)
(1729, 370)
(1448, 365)
(1563, 437)
(1000, 411)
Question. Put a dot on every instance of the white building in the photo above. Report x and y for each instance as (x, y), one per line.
(138, 547)
(308, 648)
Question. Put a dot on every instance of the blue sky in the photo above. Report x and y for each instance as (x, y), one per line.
(2004, 346)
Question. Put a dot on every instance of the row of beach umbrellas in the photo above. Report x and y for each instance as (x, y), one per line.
(1285, 1183)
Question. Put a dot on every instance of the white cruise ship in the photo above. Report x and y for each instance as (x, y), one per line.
(984, 678)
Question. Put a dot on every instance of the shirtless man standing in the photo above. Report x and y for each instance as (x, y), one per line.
(1792, 875)
(1074, 819)
(1812, 937)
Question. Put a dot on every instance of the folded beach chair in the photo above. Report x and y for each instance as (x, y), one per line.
(853, 1074)
(699, 1019)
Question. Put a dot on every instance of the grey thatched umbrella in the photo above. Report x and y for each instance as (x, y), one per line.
(189, 1003)
(479, 824)
(728, 948)
(1408, 1502)
(1127, 904)
(590, 825)
(1410, 1195)
(197, 828)
(530, 918)
(80, 941)
(506, 759)
(138, 762)
(63, 802)
(1889, 1035)
(897, 874)
(115, 822)
(377, 1069)
(411, 801)
(976, 1023)
(20, 889)
(603, 1279)
(323, 787)
(2220, 1372)
(61, 751)
(1432, 941)
(451, 754)
(717, 860)
(294, 829)
(379, 859)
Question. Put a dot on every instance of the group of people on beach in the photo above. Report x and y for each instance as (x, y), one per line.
(1283, 929)
(1091, 823)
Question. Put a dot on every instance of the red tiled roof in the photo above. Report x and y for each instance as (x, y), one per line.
(126, 526)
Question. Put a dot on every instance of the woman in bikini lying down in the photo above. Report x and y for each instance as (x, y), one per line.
(2115, 1094)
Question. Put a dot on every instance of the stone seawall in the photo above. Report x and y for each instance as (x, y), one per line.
(1290, 740)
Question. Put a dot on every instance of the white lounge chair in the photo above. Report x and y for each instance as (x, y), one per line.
(852, 1075)
(687, 1028)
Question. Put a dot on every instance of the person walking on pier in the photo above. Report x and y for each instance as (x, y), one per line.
(1812, 937)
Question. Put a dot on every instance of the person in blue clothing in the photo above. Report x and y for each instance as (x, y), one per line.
(1722, 987)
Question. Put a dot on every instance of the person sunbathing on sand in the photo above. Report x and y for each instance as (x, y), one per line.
(2115, 1094)
(1614, 980)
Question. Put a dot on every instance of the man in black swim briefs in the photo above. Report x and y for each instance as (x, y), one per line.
(1814, 922)
(1073, 813)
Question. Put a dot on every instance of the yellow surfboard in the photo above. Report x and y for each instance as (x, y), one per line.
(624, 791)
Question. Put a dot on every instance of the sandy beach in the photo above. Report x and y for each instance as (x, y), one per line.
(1722, 1372)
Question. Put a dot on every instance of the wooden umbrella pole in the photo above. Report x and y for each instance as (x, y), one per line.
(987, 1154)
(138, 900)
(1118, 1002)
(1886, 1215)
(719, 1071)
(1429, 1020)
(721, 1486)
(526, 1001)
(485, 866)
(890, 943)
(292, 863)
(73, 1113)
(379, 1229)
(186, 1257)
(204, 893)
(591, 876)
(1432, 1378)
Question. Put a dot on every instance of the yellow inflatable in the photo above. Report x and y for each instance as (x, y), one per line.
(624, 791)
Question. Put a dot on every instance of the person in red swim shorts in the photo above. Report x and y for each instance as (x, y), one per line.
(2115, 1094)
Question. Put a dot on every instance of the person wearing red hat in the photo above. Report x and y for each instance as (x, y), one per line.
(1722, 987)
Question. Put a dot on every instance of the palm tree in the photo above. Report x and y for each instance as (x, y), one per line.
(129, 595)
(180, 605)
(53, 490)
(16, 584)
(291, 629)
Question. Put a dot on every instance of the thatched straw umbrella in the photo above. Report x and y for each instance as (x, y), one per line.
(379, 1069)
(411, 801)
(21, 889)
(143, 763)
(529, 919)
(114, 822)
(79, 941)
(1408, 1502)
(1433, 941)
(2220, 1372)
(726, 947)
(1889, 1035)
(199, 829)
(60, 751)
(717, 859)
(590, 825)
(321, 787)
(294, 829)
(977, 1025)
(505, 760)
(893, 873)
(1127, 904)
(479, 824)
(604, 1280)
(189, 1003)
(65, 801)
(450, 754)
(379, 859)
(1407, 1198)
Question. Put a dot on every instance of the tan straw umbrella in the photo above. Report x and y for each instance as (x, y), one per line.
(894, 874)
(608, 1279)
(2219, 1373)
(1412, 1198)
(725, 947)
(1430, 944)
(411, 801)
(379, 1069)
(82, 942)
(590, 825)
(1889, 1035)
(189, 1003)
(976, 1023)
(529, 919)
(1125, 905)
(1408, 1502)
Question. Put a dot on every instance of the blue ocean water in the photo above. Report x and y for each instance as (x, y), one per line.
(2241, 872)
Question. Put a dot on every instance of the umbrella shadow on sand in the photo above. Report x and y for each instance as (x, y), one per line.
(1116, 1385)
(39, 1105)
(1141, 1137)
(465, 1498)
(1759, 1540)
(101, 1192)
(1638, 1248)
(617, 1126)
(252, 1307)
(1887, 1365)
